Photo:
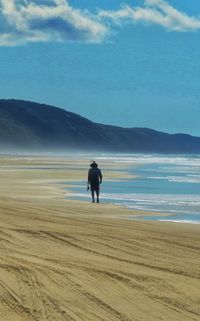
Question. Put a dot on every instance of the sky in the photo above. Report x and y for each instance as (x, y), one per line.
(125, 63)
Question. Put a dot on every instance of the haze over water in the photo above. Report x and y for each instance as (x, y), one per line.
(167, 184)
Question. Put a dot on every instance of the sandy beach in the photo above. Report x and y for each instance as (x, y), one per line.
(64, 260)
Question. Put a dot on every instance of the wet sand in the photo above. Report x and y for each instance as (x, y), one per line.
(66, 260)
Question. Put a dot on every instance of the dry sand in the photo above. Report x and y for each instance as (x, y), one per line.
(63, 260)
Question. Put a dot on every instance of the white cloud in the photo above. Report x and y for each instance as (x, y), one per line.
(157, 12)
(24, 21)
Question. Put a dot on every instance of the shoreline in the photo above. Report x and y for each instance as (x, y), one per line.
(59, 171)
(137, 214)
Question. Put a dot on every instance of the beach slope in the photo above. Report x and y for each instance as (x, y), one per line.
(65, 260)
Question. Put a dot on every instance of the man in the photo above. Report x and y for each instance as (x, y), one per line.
(94, 180)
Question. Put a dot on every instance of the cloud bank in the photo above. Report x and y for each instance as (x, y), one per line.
(23, 21)
(157, 12)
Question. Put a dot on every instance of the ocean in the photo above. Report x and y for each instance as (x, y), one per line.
(163, 184)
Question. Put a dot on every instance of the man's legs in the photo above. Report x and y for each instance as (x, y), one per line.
(95, 188)
(92, 192)
(97, 193)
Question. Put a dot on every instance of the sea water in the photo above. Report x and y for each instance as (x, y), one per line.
(165, 184)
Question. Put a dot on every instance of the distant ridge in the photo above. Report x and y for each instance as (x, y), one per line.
(29, 126)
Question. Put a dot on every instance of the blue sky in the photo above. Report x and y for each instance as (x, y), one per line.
(130, 63)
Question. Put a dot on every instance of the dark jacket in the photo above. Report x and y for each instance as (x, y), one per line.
(94, 176)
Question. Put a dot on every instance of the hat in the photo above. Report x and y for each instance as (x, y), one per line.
(93, 164)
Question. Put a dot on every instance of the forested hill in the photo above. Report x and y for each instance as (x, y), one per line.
(29, 126)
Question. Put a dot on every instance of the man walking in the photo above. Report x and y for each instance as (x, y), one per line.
(94, 180)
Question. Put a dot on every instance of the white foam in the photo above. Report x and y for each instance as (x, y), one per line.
(180, 221)
(153, 159)
(178, 199)
(178, 179)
